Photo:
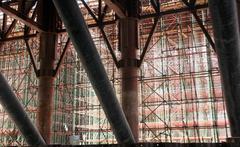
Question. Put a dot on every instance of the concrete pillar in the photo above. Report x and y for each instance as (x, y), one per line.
(129, 71)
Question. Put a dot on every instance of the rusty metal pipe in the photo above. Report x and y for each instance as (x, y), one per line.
(129, 72)
(47, 17)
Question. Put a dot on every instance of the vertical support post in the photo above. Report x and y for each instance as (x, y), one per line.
(46, 17)
(129, 68)
(227, 38)
(129, 72)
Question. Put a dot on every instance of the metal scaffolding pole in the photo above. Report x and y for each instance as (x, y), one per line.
(16, 111)
(226, 32)
(129, 70)
(78, 31)
(47, 17)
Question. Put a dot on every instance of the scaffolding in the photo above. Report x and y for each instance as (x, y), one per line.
(180, 91)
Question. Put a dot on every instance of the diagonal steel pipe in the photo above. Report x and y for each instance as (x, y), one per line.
(15, 110)
(227, 39)
(78, 31)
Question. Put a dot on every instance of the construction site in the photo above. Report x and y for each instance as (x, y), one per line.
(91, 72)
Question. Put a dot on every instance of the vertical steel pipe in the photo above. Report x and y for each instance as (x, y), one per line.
(47, 17)
(16, 111)
(227, 39)
(129, 71)
(46, 85)
(78, 31)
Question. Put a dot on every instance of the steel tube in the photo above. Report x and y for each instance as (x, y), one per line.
(129, 71)
(78, 31)
(238, 8)
(47, 17)
(16, 111)
(46, 85)
(227, 39)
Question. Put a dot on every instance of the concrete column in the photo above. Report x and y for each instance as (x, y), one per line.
(129, 71)
(46, 17)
